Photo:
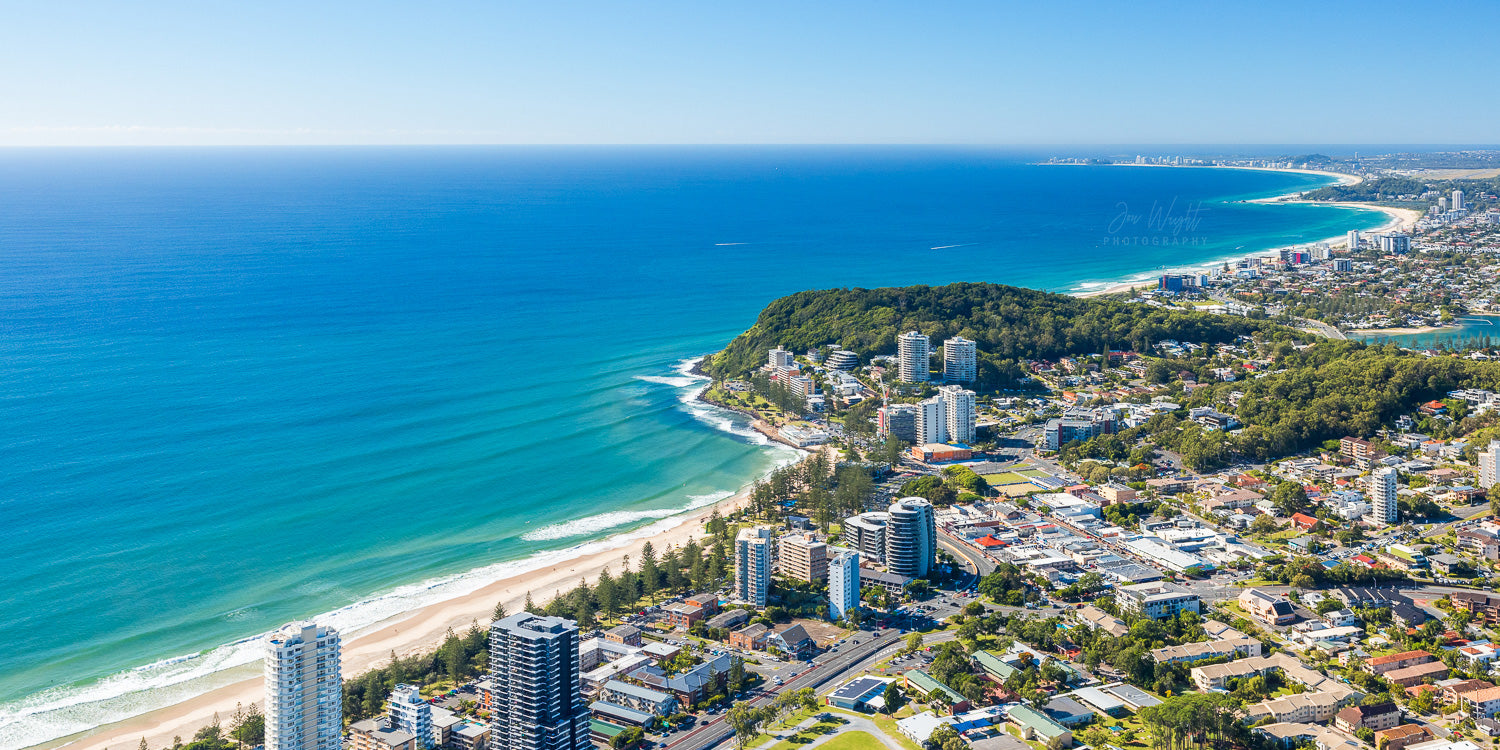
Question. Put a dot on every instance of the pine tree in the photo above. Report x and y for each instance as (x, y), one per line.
(499, 611)
(530, 606)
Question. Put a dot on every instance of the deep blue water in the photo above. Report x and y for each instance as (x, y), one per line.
(239, 387)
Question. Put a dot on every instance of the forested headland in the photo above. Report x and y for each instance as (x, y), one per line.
(1009, 324)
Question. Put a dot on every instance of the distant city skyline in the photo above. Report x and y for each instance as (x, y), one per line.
(176, 73)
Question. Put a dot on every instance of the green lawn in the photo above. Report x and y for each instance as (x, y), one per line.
(1034, 473)
(811, 734)
(886, 724)
(854, 741)
(999, 480)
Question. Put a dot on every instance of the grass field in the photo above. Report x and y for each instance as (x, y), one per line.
(1009, 477)
(854, 741)
(1034, 473)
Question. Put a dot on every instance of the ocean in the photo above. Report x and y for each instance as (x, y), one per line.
(240, 387)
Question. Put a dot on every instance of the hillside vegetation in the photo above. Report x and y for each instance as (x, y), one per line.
(1009, 323)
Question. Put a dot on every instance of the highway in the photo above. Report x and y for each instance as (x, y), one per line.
(825, 669)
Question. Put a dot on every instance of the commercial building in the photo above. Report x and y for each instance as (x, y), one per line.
(412, 714)
(911, 538)
(1157, 600)
(304, 688)
(913, 353)
(960, 360)
(843, 584)
(960, 414)
(898, 420)
(1383, 495)
(538, 700)
(865, 534)
(753, 558)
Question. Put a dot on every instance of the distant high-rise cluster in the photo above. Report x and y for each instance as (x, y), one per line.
(304, 688)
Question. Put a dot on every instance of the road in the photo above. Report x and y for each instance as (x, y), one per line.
(979, 565)
(826, 668)
(1320, 328)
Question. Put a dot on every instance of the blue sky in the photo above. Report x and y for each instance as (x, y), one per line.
(204, 72)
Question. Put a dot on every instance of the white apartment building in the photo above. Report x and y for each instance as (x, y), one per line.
(912, 357)
(911, 538)
(538, 696)
(304, 688)
(932, 421)
(753, 558)
(843, 584)
(413, 715)
(1353, 240)
(1458, 200)
(960, 360)
(1157, 600)
(960, 413)
(1383, 495)
(779, 358)
(1489, 466)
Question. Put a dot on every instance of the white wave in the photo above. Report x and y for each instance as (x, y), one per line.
(612, 519)
(729, 244)
(61, 711)
(682, 382)
(945, 247)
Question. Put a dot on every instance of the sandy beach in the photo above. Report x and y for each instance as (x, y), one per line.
(415, 632)
(1400, 219)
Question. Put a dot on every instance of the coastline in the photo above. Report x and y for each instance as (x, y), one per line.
(423, 629)
(1399, 218)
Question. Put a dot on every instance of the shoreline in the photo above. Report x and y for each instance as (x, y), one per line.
(424, 628)
(1398, 219)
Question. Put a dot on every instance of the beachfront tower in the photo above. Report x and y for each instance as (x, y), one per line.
(843, 584)
(753, 559)
(1353, 240)
(1383, 495)
(911, 538)
(1489, 466)
(537, 698)
(959, 413)
(866, 534)
(411, 714)
(960, 360)
(304, 688)
(912, 353)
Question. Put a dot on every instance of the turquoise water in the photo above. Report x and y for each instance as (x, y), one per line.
(1468, 331)
(242, 387)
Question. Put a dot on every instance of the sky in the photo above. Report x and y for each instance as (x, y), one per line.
(925, 72)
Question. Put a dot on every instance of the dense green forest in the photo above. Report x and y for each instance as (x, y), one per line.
(1008, 323)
